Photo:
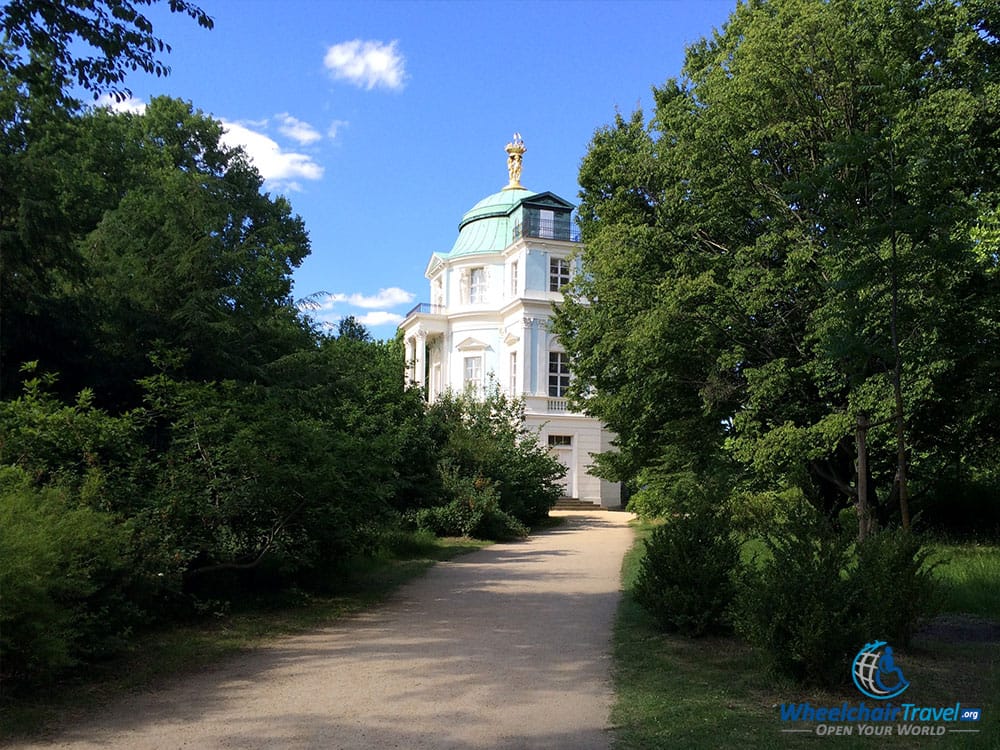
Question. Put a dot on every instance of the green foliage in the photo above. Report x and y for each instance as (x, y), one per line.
(816, 596)
(669, 687)
(203, 439)
(473, 511)
(60, 563)
(485, 438)
(687, 576)
(74, 445)
(131, 237)
(810, 207)
(46, 39)
(898, 582)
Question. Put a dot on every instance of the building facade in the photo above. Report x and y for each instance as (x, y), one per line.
(491, 303)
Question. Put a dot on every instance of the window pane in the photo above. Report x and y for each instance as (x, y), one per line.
(477, 285)
(546, 224)
(558, 273)
(473, 371)
(558, 374)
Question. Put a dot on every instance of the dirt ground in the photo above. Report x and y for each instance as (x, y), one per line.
(508, 647)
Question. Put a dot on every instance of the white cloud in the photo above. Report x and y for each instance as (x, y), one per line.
(367, 63)
(284, 168)
(380, 318)
(335, 127)
(390, 297)
(299, 131)
(134, 106)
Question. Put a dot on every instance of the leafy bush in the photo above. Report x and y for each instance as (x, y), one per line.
(686, 579)
(897, 584)
(60, 570)
(485, 438)
(473, 510)
(818, 595)
(75, 445)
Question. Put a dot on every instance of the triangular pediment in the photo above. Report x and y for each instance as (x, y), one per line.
(471, 344)
(510, 339)
(548, 200)
(433, 265)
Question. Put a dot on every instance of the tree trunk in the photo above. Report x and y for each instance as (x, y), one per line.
(865, 515)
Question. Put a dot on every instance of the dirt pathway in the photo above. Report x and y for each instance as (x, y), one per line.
(503, 648)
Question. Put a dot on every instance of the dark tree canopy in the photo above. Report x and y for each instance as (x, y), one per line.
(135, 236)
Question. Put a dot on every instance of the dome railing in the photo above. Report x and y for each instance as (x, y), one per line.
(426, 308)
(545, 229)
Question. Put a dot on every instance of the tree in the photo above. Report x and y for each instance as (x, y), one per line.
(797, 239)
(169, 247)
(44, 39)
(351, 328)
(43, 49)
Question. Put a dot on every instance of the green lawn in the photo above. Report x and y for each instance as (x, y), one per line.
(970, 578)
(676, 692)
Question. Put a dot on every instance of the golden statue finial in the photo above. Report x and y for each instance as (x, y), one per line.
(515, 150)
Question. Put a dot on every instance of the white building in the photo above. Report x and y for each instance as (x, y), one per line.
(492, 298)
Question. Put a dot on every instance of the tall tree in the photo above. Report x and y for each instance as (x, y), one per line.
(796, 239)
(174, 251)
(46, 47)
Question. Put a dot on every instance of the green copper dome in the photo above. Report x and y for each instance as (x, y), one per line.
(488, 226)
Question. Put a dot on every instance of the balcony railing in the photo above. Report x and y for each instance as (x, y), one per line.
(427, 309)
(545, 230)
(557, 405)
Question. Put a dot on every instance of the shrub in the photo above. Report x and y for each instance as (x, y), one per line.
(60, 570)
(686, 579)
(486, 438)
(897, 584)
(473, 510)
(796, 606)
(818, 595)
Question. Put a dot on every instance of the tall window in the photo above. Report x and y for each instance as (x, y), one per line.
(474, 373)
(558, 374)
(477, 285)
(513, 279)
(558, 274)
(546, 224)
(513, 373)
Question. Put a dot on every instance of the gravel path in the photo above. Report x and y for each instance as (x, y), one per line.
(506, 648)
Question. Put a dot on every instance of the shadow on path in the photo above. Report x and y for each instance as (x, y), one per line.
(504, 647)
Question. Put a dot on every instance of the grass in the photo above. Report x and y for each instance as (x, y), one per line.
(715, 693)
(970, 578)
(181, 648)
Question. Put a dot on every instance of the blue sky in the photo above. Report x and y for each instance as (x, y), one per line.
(383, 122)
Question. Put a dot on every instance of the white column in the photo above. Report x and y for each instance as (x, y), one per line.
(420, 358)
(542, 357)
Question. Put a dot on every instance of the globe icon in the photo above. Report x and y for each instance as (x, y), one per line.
(875, 672)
